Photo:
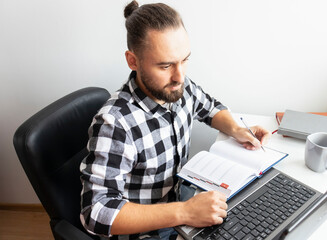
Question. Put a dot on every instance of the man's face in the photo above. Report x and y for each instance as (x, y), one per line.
(162, 64)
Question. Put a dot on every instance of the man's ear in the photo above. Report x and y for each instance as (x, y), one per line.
(131, 60)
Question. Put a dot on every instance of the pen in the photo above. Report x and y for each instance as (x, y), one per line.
(251, 132)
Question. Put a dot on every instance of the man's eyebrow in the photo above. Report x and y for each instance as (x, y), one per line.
(167, 63)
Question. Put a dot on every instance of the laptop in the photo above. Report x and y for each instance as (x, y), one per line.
(308, 221)
(275, 206)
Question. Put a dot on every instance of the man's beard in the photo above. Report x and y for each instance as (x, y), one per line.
(161, 94)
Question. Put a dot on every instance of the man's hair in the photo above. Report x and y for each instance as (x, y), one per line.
(139, 20)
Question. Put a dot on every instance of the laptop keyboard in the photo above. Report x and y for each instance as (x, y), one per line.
(257, 216)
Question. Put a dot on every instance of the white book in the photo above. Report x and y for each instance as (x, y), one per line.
(228, 167)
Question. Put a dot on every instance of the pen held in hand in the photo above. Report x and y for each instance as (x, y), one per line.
(251, 132)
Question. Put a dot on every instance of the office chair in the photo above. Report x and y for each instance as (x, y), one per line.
(50, 146)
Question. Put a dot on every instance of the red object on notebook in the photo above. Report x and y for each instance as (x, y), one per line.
(224, 185)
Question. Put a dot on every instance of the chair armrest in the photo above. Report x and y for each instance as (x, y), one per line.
(64, 230)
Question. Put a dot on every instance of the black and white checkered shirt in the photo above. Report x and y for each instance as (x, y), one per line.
(136, 147)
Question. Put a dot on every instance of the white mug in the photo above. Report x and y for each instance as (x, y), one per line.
(316, 151)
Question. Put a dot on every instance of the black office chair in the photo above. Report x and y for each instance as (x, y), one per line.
(50, 146)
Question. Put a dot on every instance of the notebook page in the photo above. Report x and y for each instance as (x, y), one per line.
(218, 170)
(256, 159)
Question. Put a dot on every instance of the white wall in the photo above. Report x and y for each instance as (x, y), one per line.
(256, 56)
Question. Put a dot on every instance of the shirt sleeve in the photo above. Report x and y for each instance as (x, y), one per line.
(111, 156)
(204, 106)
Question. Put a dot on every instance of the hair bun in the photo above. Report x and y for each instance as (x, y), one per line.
(130, 8)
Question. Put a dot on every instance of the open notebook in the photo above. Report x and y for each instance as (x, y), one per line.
(228, 167)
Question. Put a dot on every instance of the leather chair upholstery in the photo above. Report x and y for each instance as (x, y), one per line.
(50, 146)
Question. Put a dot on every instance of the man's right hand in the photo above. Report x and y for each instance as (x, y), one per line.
(205, 209)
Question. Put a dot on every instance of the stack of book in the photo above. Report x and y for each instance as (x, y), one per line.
(300, 124)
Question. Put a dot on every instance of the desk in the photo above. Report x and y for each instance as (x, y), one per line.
(293, 165)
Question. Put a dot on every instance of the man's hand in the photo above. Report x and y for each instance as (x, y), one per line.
(249, 142)
(205, 209)
(224, 122)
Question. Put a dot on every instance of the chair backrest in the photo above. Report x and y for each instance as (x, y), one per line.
(51, 145)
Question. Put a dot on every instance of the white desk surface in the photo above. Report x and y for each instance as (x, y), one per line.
(292, 165)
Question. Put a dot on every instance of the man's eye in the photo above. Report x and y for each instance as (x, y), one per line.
(165, 66)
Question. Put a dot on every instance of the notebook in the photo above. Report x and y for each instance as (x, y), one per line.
(300, 124)
(228, 167)
(265, 209)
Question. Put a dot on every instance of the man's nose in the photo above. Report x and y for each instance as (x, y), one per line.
(178, 75)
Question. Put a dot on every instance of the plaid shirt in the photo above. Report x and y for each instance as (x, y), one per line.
(136, 147)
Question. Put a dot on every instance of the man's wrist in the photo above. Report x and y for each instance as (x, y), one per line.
(234, 131)
(180, 213)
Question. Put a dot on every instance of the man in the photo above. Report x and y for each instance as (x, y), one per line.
(140, 139)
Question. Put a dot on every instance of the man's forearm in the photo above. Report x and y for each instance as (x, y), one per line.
(204, 209)
(224, 122)
(136, 218)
